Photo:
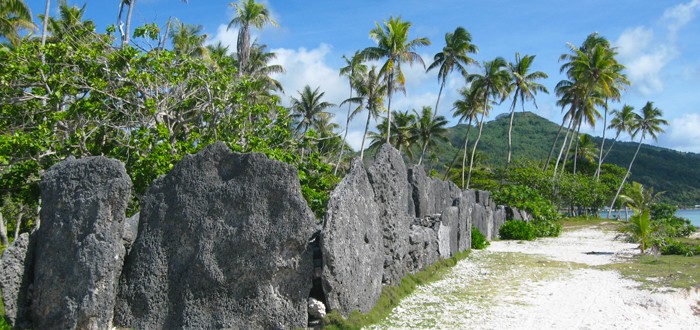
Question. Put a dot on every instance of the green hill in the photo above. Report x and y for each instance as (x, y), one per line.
(676, 173)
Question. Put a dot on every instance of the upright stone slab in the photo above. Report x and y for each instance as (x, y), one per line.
(393, 195)
(421, 191)
(79, 246)
(499, 218)
(222, 243)
(465, 206)
(16, 271)
(423, 248)
(442, 195)
(481, 221)
(352, 246)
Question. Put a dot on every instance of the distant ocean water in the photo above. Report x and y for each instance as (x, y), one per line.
(692, 215)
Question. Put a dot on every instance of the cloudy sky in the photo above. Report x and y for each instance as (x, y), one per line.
(657, 41)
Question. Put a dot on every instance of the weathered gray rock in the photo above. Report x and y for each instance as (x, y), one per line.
(316, 308)
(393, 195)
(16, 266)
(482, 221)
(352, 245)
(131, 229)
(423, 248)
(450, 221)
(499, 218)
(222, 243)
(79, 248)
(483, 197)
(442, 195)
(464, 233)
(421, 189)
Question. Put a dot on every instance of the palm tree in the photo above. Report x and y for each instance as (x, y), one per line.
(188, 40)
(491, 86)
(248, 13)
(259, 67)
(370, 96)
(648, 123)
(586, 148)
(14, 16)
(467, 109)
(393, 44)
(621, 122)
(428, 129)
(455, 55)
(354, 67)
(403, 137)
(307, 109)
(70, 26)
(524, 86)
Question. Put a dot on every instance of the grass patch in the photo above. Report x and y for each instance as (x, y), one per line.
(392, 295)
(664, 271)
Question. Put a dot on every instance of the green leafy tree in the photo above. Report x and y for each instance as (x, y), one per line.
(393, 45)
(454, 56)
(491, 86)
(524, 86)
(648, 123)
(248, 13)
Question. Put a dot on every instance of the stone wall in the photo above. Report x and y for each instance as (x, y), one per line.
(225, 240)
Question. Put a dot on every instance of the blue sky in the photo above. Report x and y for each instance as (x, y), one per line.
(657, 41)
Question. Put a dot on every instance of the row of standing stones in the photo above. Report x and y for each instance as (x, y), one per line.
(226, 240)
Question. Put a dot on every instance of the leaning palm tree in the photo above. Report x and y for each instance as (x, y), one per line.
(428, 130)
(370, 96)
(14, 16)
(621, 122)
(455, 55)
(354, 67)
(524, 86)
(467, 109)
(394, 46)
(248, 13)
(648, 123)
(490, 86)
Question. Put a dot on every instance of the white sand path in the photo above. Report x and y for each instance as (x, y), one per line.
(545, 284)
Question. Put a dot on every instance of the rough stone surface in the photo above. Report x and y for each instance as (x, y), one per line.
(465, 207)
(450, 220)
(499, 218)
(394, 198)
(131, 228)
(316, 308)
(480, 221)
(421, 189)
(79, 248)
(442, 195)
(222, 243)
(352, 246)
(423, 249)
(484, 198)
(15, 278)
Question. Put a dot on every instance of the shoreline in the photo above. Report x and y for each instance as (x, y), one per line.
(550, 283)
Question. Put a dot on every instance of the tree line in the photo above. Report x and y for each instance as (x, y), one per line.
(150, 96)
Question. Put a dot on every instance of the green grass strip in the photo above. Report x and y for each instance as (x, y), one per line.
(392, 295)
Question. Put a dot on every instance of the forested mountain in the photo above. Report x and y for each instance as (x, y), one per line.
(676, 173)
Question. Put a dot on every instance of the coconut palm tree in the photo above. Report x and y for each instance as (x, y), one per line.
(354, 67)
(524, 86)
(586, 148)
(492, 87)
(14, 16)
(370, 90)
(403, 137)
(259, 67)
(394, 46)
(248, 13)
(188, 40)
(467, 109)
(621, 122)
(428, 129)
(307, 109)
(648, 123)
(455, 55)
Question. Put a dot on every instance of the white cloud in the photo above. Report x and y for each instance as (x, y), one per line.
(645, 71)
(683, 133)
(679, 16)
(635, 41)
(226, 37)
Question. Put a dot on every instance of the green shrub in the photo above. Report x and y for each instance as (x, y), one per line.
(671, 246)
(479, 241)
(518, 230)
(544, 214)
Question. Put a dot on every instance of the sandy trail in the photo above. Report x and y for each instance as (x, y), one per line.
(545, 284)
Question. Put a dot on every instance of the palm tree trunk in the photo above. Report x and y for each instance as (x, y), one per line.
(607, 152)
(364, 136)
(629, 169)
(438, 98)
(478, 137)
(390, 85)
(568, 149)
(578, 132)
(466, 139)
(44, 28)
(18, 223)
(510, 128)
(563, 145)
(3, 231)
(342, 147)
(602, 143)
(167, 31)
(243, 47)
(125, 39)
(554, 144)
